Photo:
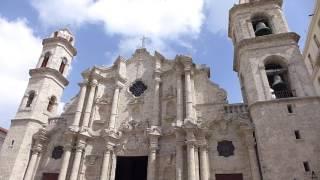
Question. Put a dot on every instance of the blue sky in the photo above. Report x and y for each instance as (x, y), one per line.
(107, 28)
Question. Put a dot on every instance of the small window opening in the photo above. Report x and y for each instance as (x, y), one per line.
(290, 109)
(30, 98)
(306, 166)
(45, 60)
(55, 34)
(310, 61)
(62, 65)
(278, 81)
(12, 142)
(261, 27)
(51, 103)
(297, 134)
(71, 39)
(316, 41)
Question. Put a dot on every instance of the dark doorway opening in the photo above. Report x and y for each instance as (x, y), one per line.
(132, 168)
(50, 176)
(229, 177)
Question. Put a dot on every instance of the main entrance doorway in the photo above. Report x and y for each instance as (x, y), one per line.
(50, 176)
(132, 168)
(229, 177)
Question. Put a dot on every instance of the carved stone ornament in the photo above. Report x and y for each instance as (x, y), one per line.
(104, 100)
(57, 152)
(133, 125)
(225, 148)
(92, 159)
(133, 144)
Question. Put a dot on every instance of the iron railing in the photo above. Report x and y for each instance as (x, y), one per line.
(284, 94)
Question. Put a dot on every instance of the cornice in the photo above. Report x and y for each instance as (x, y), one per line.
(61, 40)
(49, 71)
(253, 42)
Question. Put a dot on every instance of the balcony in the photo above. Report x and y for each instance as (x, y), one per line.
(235, 108)
(284, 94)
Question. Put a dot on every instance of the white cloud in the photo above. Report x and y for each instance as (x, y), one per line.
(20, 50)
(160, 18)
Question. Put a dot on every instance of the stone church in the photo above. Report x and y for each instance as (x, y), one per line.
(153, 118)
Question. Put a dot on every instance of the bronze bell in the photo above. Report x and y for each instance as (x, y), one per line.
(278, 84)
(262, 29)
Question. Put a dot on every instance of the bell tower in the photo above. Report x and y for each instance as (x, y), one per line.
(40, 102)
(276, 86)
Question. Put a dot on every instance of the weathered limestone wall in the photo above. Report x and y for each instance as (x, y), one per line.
(281, 154)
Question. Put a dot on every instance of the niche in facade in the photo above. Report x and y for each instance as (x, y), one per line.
(57, 152)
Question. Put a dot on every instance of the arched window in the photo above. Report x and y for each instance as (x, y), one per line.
(45, 60)
(30, 98)
(51, 103)
(261, 26)
(63, 65)
(278, 80)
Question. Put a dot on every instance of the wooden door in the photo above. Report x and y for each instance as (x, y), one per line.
(229, 177)
(50, 176)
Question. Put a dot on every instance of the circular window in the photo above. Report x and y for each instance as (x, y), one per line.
(138, 88)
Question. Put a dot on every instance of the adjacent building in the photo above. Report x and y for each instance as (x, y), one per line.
(153, 118)
(3, 134)
(311, 52)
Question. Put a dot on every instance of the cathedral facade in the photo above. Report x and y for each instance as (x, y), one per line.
(153, 118)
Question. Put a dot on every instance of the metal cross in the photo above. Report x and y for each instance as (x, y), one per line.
(143, 41)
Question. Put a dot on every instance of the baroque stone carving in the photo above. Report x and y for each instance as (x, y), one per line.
(133, 125)
(91, 159)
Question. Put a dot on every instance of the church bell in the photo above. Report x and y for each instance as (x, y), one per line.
(262, 29)
(278, 84)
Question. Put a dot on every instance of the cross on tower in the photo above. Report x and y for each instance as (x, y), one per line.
(143, 41)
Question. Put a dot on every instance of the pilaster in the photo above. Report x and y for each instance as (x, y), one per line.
(250, 142)
(81, 143)
(93, 84)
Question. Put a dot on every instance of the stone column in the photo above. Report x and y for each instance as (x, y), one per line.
(196, 157)
(152, 158)
(179, 155)
(179, 100)
(156, 100)
(250, 141)
(77, 159)
(40, 138)
(191, 160)
(86, 116)
(65, 161)
(204, 162)
(106, 164)
(35, 153)
(77, 116)
(113, 167)
(114, 108)
(187, 74)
